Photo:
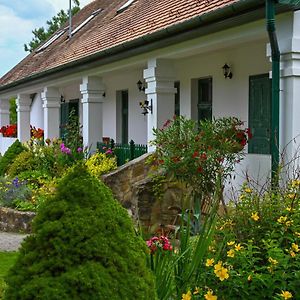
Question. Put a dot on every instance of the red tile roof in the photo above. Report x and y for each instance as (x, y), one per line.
(109, 29)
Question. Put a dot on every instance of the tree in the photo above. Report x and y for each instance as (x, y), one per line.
(41, 34)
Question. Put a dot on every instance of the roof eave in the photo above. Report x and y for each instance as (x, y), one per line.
(232, 15)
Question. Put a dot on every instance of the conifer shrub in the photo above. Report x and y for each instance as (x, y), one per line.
(83, 246)
(12, 152)
(25, 161)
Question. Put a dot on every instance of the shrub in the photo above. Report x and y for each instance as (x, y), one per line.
(7, 159)
(13, 193)
(100, 163)
(83, 247)
(25, 161)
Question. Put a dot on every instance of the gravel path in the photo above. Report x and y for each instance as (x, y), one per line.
(10, 241)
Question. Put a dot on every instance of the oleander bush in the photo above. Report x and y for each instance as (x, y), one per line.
(83, 246)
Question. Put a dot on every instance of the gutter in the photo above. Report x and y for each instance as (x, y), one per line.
(270, 18)
(229, 16)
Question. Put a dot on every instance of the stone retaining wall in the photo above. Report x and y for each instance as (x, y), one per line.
(15, 221)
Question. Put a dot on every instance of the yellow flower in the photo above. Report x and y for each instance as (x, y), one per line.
(238, 247)
(222, 273)
(281, 219)
(295, 183)
(286, 295)
(187, 296)
(295, 247)
(218, 266)
(230, 253)
(292, 253)
(297, 234)
(255, 216)
(290, 209)
(210, 295)
(209, 262)
(273, 261)
(196, 291)
(289, 223)
(291, 195)
(211, 249)
(242, 197)
(249, 277)
(248, 190)
(231, 243)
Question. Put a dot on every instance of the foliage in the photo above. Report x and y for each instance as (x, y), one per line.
(9, 130)
(7, 260)
(13, 193)
(175, 270)
(200, 153)
(13, 111)
(7, 159)
(256, 249)
(84, 247)
(25, 161)
(41, 34)
(36, 133)
(100, 163)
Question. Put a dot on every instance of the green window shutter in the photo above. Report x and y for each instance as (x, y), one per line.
(260, 91)
(124, 117)
(290, 2)
(205, 99)
(177, 98)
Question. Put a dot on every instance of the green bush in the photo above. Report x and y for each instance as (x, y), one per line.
(25, 161)
(99, 164)
(83, 247)
(12, 152)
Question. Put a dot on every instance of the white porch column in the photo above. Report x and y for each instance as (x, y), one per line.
(51, 106)
(161, 92)
(290, 91)
(4, 112)
(23, 112)
(92, 91)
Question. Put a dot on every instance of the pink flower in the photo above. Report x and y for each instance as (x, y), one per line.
(109, 151)
(79, 149)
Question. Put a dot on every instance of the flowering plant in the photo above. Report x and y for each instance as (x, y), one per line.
(198, 154)
(36, 133)
(156, 243)
(9, 130)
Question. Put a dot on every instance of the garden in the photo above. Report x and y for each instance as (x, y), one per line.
(85, 246)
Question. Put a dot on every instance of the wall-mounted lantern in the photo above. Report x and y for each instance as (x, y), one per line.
(141, 85)
(227, 71)
(146, 108)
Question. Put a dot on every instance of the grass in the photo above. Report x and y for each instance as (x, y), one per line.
(7, 259)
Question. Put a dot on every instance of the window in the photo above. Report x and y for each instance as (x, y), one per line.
(177, 98)
(122, 116)
(204, 99)
(93, 15)
(123, 7)
(51, 40)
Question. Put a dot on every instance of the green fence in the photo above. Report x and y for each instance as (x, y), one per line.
(123, 152)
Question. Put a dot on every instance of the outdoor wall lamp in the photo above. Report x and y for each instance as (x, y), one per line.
(141, 85)
(62, 99)
(227, 71)
(146, 108)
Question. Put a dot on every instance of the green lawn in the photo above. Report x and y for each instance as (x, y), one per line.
(7, 259)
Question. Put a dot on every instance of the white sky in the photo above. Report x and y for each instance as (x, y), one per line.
(17, 19)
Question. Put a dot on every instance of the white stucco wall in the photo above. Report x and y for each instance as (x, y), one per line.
(137, 123)
(36, 112)
(5, 143)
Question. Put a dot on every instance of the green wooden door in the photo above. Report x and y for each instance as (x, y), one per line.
(204, 99)
(124, 117)
(260, 89)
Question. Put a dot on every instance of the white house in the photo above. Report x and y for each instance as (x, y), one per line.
(177, 49)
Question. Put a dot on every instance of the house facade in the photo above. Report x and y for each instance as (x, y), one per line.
(179, 52)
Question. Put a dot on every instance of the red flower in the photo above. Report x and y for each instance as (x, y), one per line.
(195, 154)
(200, 169)
(175, 159)
(249, 133)
(203, 156)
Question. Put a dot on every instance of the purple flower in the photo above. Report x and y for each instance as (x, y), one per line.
(109, 151)
(64, 149)
(79, 149)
